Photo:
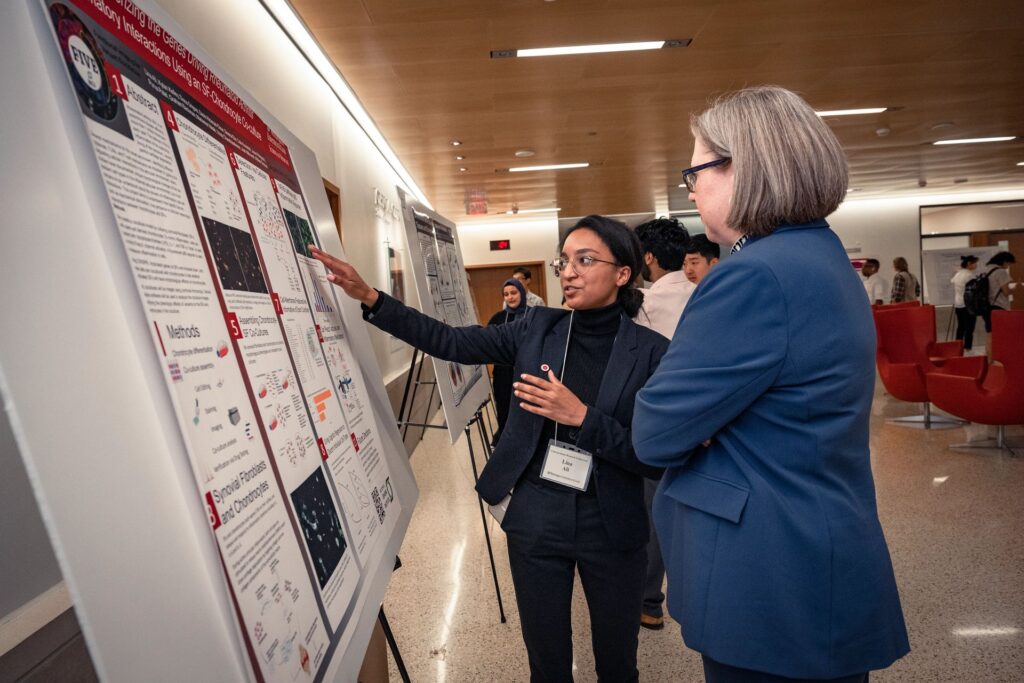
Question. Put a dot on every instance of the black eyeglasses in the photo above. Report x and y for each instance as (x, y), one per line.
(690, 174)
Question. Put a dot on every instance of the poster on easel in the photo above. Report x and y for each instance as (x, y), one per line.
(256, 355)
(443, 288)
(939, 266)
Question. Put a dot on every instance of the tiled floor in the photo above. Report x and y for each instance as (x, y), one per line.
(954, 521)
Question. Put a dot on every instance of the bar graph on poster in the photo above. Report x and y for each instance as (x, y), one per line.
(271, 404)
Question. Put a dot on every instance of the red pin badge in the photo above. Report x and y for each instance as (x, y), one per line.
(544, 367)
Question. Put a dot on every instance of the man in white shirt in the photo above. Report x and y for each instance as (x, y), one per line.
(874, 284)
(664, 242)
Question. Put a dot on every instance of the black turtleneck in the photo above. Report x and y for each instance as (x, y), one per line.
(590, 347)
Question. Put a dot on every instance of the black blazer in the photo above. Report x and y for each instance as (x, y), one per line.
(526, 343)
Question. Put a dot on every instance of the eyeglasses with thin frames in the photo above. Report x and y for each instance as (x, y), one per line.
(690, 174)
(580, 264)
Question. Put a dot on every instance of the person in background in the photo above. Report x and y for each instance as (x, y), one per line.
(965, 320)
(777, 565)
(701, 256)
(1000, 285)
(578, 501)
(523, 274)
(874, 283)
(664, 242)
(514, 294)
(905, 286)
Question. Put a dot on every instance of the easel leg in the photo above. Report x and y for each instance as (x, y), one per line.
(430, 404)
(393, 645)
(412, 398)
(485, 438)
(483, 518)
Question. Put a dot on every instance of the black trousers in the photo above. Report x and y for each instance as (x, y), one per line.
(987, 317)
(965, 322)
(715, 672)
(552, 534)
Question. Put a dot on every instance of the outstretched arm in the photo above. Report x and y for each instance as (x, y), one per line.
(468, 345)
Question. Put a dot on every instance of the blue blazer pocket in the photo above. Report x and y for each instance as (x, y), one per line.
(708, 494)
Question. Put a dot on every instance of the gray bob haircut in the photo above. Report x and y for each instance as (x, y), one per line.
(788, 166)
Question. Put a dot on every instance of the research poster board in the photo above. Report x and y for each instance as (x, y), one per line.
(277, 418)
(940, 265)
(445, 295)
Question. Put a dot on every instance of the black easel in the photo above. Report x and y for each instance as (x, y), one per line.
(408, 401)
(478, 419)
(393, 645)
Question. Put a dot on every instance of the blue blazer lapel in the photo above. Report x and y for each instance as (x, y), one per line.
(620, 367)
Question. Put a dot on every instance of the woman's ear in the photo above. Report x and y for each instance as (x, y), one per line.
(624, 276)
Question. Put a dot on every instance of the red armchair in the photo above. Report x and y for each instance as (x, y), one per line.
(907, 353)
(997, 398)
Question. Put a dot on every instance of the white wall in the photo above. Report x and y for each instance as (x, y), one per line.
(532, 240)
(262, 60)
(887, 228)
(972, 218)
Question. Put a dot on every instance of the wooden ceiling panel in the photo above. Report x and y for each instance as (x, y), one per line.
(424, 72)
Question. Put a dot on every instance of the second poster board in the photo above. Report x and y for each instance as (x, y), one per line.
(443, 288)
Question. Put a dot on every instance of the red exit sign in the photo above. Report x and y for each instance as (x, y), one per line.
(501, 245)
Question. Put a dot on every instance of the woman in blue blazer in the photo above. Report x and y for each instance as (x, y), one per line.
(579, 371)
(777, 565)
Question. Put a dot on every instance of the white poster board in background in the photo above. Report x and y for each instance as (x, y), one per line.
(939, 266)
(443, 287)
(254, 394)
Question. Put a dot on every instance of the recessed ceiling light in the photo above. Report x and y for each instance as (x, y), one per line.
(853, 189)
(1020, 163)
(590, 49)
(524, 153)
(549, 167)
(851, 112)
(970, 141)
(459, 157)
(682, 185)
(463, 169)
(943, 125)
(456, 143)
(522, 211)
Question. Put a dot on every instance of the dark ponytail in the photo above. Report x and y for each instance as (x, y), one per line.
(625, 247)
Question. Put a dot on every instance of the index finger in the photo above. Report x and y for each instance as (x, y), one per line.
(325, 258)
(536, 381)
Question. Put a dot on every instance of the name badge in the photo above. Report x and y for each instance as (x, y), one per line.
(567, 465)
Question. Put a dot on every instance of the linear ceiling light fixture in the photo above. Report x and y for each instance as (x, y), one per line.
(590, 49)
(522, 211)
(971, 141)
(549, 167)
(851, 112)
(282, 13)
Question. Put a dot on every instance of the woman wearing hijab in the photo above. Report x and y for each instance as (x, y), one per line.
(514, 294)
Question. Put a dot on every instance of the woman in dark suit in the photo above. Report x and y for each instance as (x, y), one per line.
(514, 294)
(578, 501)
(777, 565)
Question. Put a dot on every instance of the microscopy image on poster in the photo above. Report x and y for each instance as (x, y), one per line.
(299, 230)
(235, 257)
(318, 520)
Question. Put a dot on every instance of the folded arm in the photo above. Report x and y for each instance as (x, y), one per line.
(729, 348)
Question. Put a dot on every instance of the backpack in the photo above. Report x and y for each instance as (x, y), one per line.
(976, 293)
